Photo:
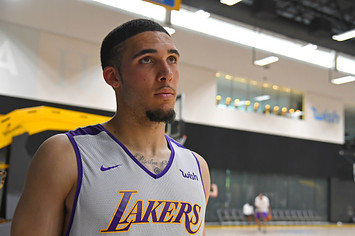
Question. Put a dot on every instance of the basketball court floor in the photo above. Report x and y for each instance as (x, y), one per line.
(307, 230)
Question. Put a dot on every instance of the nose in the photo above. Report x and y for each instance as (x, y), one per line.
(165, 72)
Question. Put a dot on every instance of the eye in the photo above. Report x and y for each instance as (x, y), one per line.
(145, 60)
(172, 59)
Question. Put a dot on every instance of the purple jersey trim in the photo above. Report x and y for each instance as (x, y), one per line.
(155, 176)
(174, 141)
(199, 168)
(71, 135)
(91, 130)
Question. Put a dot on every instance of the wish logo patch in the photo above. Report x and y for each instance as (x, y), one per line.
(189, 175)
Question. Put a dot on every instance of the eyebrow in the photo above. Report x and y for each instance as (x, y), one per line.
(148, 51)
(174, 51)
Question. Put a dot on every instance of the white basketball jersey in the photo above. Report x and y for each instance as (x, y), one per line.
(117, 195)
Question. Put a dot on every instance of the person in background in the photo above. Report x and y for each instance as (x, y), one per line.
(248, 211)
(262, 210)
(214, 191)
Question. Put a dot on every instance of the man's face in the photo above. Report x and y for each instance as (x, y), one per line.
(149, 75)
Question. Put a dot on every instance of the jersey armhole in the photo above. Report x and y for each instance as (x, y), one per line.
(80, 177)
(199, 169)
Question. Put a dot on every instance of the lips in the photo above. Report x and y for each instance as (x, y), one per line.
(165, 92)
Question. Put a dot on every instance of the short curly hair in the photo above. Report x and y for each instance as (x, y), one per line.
(113, 44)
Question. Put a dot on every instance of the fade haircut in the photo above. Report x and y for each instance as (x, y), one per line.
(113, 44)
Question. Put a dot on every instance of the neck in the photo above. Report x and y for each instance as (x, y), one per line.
(138, 136)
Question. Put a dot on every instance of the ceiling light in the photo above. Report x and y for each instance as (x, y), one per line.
(345, 64)
(227, 31)
(344, 36)
(143, 8)
(262, 98)
(230, 2)
(266, 61)
(202, 14)
(343, 80)
(249, 37)
(310, 47)
(229, 77)
(287, 90)
(266, 85)
(170, 30)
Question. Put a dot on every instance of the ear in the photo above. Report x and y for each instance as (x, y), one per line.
(112, 77)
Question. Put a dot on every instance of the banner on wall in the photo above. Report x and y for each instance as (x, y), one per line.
(329, 116)
(325, 115)
(49, 67)
(18, 60)
(168, 4)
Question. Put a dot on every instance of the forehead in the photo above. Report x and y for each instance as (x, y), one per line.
(149, 39)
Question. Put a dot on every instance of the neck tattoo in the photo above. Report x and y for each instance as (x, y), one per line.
(157, 166)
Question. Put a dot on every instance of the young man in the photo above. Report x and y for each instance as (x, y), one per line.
(262, 210)
(123, 177)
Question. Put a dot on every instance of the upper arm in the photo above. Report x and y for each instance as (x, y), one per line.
(51, 176)
(206, 178)
(205, 175)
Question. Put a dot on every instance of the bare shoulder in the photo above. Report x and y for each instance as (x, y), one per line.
(205, 174)
(206, 178)
(201, 160)
(50, 178)
(54, 143)
(54, 153)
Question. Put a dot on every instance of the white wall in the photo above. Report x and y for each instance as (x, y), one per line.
(55, 50)
(54, 68)
(202, 60)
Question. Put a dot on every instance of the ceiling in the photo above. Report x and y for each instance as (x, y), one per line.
(313, 21)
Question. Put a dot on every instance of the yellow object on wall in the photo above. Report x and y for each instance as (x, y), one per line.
(168, 4)
(38, 119)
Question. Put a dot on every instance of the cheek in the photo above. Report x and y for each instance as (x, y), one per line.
(176, 75)
(141, 76)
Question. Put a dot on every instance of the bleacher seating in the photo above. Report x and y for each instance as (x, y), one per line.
(289, 216)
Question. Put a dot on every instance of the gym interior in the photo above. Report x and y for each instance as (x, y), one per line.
(282, 129)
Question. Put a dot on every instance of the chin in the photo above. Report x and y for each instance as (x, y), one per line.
(160, 115)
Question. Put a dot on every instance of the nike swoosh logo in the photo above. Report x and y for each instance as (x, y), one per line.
(108, 168)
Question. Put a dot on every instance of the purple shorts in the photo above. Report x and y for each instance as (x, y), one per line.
(261, 215)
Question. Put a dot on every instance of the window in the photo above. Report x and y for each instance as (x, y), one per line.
(252, 96)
